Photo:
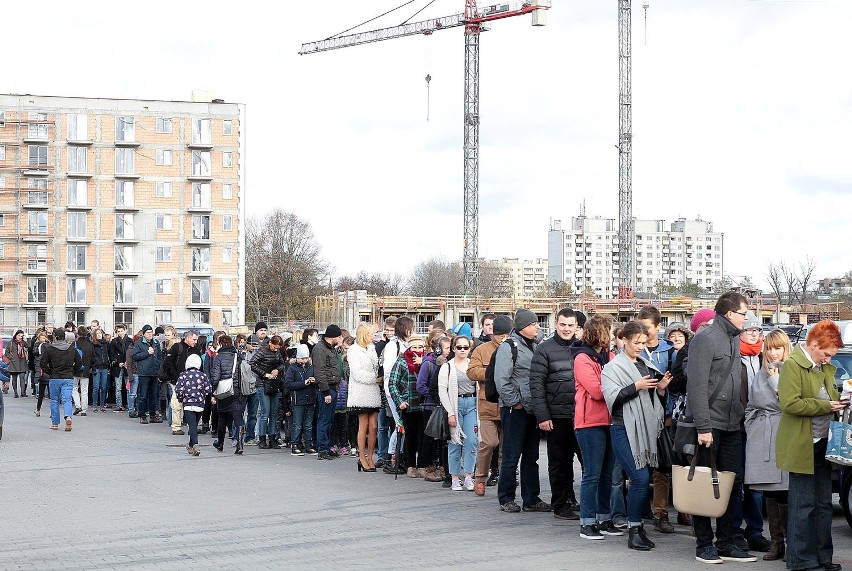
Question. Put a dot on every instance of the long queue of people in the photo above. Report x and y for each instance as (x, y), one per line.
(609, 394)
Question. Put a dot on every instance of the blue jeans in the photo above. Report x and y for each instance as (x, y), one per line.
(640, 478)
(119, 385)
(384, 434)
(61, 389)
(809, 531)
(325, 419)
(100, 380)
(149, 395)
(596, 486)
(268, 412)
(169, 390)
(303, 425)
(131, 394)
(467, 421)
(616, 500)
(520, 445)
(251, 414)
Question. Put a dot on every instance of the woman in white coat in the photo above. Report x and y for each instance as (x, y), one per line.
(458, 397)
(364, 397)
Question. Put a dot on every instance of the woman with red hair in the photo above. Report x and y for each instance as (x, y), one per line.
(809, 400)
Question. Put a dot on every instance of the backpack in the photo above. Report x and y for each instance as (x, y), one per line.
(248, 382)
(82, 367)
(491, 392)
(380, 374)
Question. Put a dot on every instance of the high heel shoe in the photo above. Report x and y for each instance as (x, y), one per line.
(362, 468)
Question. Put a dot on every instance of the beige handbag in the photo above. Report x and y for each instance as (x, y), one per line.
(701, 491)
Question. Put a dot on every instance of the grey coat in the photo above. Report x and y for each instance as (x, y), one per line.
(762, 417)
(513, 383)
(711, 352)
(17, 365)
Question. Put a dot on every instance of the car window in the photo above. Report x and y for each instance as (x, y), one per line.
(843, 362)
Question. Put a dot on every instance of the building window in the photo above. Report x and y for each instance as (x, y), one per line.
(124, 193)
(2, 152)
(164, 124)
(162, 317)
(200, 163)
(201, 132)
(227, 317)
(164, 253)
(37, 130)
(200, 291)
(125, 129)
(123, 258)
(200, 227)
(37, 223)
(76, 257)
(2, 250)
(38, 155)
(36, 290)
(200, 195)
(123, 317)
(2, 118)
(77, 193)
(164, 157)
(76, 290)
(164, 190)
(200, 316)
(201, 259)
(164, 286)
(76, 315)
(2, 289)
(227, 127)
(124, 290)
(227, 191)
(124, 160)
(227, 254)
(227, 222)
(227, 159)
(164, 221)
(226, 287)
(37, 197)
(77, 127)
(124, 226)
(77, 159)
(76, 224)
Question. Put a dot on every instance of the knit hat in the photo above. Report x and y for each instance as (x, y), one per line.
(302, 351)
(285, 336)
(502, 325)
(332, 331)
(253, 340)
(701, 317)
(523, 318)
(752, 322)
(677, 326)
(159, 330)
(581, 318)
(260, 325)
(416, 339)
(146, 328)
(193, 362)
(462, 329)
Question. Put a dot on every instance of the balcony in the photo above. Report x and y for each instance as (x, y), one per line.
(80, 142)
(78, 239)
(126, 240)
(201, 176)
(78, 207)
(200, 145)
(126, 208)
(78, 272)
(126, 273)
(78, 175)
(201, 208)
(35, 237)
(35, 206)
(125, 175)
(199, 241)
(37, 170)
(123, 143)
(35, 271)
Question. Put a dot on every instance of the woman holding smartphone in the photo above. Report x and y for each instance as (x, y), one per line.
(637, 401)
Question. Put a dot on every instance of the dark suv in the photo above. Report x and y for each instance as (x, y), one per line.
(843, 361)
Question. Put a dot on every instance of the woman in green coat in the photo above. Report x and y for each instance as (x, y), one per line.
(809, 400)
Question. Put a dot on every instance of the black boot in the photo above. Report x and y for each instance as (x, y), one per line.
(239, 449)
(262, 443)
(274, 444)
(205, 428)
(636, 540)
(645, 537)
(218, 445)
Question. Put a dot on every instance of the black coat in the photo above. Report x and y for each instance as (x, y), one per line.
(552, 388)
(264, 361)
(88, 350)
(118, 347)
(222, 367)
(100, 355)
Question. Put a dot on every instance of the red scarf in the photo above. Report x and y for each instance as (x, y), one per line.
(409, 359)
(750, 350)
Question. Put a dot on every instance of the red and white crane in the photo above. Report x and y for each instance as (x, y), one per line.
(473, 20)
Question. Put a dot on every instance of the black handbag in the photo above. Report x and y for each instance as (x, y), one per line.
(438, 426)
(665, 447)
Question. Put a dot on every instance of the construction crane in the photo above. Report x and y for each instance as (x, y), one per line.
(625, 161)
(473, 20)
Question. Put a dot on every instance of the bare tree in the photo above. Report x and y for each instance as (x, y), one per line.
(806, 272)
(792, 282)
(494, 280)
(776, 279)
(374, 284)
(435, 277)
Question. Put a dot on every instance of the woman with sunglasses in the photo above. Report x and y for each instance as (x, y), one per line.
(458, 397)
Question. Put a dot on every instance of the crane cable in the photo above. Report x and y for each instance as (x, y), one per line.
(370, 20)
(417, 12)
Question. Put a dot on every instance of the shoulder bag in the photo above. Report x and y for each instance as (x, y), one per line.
(225, 387)
(699, 490)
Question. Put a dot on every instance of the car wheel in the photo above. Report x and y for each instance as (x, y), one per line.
(846, 495)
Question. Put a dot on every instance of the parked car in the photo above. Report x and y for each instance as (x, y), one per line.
(2, 414)
(843, 361)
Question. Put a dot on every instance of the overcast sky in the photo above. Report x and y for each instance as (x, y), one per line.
(741, 116)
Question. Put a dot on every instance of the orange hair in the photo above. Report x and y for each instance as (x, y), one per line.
(826, 335)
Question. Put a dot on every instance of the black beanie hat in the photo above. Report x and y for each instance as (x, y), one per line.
(260, 325)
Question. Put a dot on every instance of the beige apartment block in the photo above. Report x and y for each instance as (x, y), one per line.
(121, 210)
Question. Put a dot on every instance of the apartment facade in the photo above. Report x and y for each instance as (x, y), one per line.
(124, 211)
(525, 278)
(586, 254)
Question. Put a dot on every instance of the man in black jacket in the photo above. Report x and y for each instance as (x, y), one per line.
(81, 375)
(58, 364)
(173, 365)
(552, 391)
(117, 352)
(327, 374)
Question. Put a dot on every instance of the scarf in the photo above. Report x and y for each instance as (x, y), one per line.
(20, 345)
(409, 360)
(750, 349)
(643, 418)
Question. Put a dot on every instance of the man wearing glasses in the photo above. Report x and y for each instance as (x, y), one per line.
(714, 386)
(386, 423)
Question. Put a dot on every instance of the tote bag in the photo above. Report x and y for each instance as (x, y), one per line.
(702, 491)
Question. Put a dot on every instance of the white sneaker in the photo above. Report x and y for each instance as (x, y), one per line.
(468, 483)
(457, 485)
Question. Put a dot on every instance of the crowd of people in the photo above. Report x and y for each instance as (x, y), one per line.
(608, 394)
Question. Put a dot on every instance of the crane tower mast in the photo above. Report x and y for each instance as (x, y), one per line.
(625, 146)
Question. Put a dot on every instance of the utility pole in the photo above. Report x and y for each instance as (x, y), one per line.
(625, 165)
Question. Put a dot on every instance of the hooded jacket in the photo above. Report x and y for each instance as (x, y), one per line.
(84, 346)
(118, 347)
(552, 380)
(147, 365)
(59, 361)
(327, 366)
(513, 383)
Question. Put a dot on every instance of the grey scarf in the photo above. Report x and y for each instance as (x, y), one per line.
(643, 418)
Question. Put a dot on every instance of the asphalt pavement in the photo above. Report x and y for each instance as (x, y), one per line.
(114, 494)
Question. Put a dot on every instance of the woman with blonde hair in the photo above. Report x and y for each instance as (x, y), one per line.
(762, 417)
(364, 398)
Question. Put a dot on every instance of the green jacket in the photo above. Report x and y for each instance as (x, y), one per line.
(798, 389)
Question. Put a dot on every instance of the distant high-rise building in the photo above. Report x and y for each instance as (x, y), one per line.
(586, 254)
(121, 210)
(520, 278)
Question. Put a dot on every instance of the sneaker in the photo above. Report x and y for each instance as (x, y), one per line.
(82, 412)
(296, 451)
(468, 484)
(759, 543)
(250, 442)
(324, 456)
(734, 553)
(566, 513)
(708, 555)
(741, 543)
(663, 525)
(95, 409)
(539, 507)
(334, 454)
(620, 523)
(590, 532)
(343, 451)
(510, 507)
(457, 485)
(178, 432)
(310, 451)
(607, 528)
(492, 480)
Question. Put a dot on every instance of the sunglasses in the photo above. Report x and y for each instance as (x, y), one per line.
(462, 347)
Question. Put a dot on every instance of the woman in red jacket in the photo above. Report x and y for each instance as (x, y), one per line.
(591, 423)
